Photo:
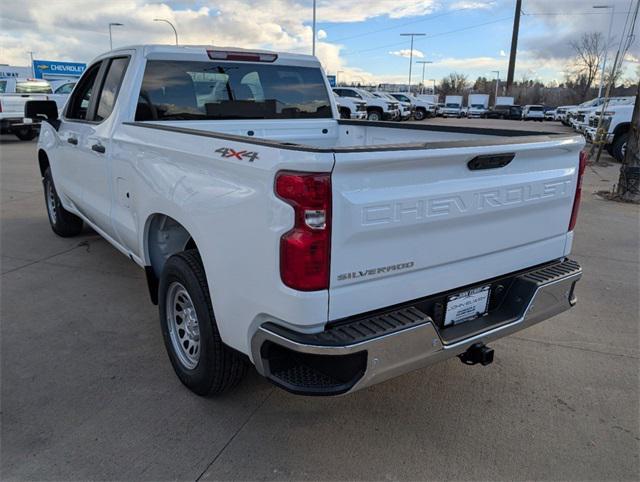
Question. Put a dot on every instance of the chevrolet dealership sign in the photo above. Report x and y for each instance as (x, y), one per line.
(46, 69)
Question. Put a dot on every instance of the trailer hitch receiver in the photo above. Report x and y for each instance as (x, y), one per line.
(477, 353)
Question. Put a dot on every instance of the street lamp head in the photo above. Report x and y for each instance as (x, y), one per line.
(602, 6)
(116, 24)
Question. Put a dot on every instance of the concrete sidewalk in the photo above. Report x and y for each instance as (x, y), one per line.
(88, 391)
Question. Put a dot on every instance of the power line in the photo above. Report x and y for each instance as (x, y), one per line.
(400, 25)
(431, 36)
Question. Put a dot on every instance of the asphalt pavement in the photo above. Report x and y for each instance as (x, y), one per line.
(88, 392)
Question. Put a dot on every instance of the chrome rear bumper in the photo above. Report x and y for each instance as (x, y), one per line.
(414, 343)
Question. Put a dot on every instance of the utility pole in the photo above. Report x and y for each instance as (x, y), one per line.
(424, 63)
(313, 42)
(606, 44)
(411, 53)
(514, 44)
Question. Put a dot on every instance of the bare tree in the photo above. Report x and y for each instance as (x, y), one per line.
(589, 51)
(454, 83)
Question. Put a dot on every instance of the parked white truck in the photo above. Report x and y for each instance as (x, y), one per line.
(14, 93)
(421, 108)
(617, 125)
(452, 106)
(332, 254)
(350, 108)
(504, 100)
(477, 105)
(377, 109)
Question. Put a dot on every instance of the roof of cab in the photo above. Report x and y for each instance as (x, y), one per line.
(199, 52)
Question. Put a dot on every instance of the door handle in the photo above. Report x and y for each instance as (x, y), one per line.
(72, 140)
(98, 148)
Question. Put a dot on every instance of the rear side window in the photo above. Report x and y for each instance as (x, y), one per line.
(535, 108)
(65, 88)
(78, 106)
(185, 90)
(3, 86)
(110, 87)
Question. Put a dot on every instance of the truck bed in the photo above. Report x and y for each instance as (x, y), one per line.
(351, 136)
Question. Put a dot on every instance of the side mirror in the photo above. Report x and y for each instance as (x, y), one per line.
(42, 110)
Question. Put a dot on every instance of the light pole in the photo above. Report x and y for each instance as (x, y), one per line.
(424, 63)
(434, 86)
(497, 72)
(606, 45)
(113, 24)
(313, 41)
(33, 70)
(175, 32)
(411, 53)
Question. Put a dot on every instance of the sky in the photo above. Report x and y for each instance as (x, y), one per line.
(360, 40)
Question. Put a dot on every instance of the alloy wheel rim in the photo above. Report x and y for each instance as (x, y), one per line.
(51, 203)
(182, 321)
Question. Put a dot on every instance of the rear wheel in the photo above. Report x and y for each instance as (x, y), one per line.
(62, 222)
(619, 147)
(26, 133)
(203, 363)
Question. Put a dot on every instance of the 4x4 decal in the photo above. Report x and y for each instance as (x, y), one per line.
(240, 155)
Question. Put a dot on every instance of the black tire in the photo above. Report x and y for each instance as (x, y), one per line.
(26, 133)
(63, 223)
(218, 367)
(619, 145)
(419, 114)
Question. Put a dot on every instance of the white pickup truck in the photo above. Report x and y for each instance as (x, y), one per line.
(617, 126)
(14, 93)
(350, 108)
(377, 109)
(331, 254)
(420, 107)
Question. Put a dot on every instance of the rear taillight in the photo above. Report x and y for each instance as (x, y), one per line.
(305, 249)
(576, 200)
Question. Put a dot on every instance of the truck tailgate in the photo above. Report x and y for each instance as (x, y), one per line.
(14, 103)
(411, 223)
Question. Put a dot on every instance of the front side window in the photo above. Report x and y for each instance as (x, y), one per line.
(110, 87)
(186, 90)
(78, 106)
(33, 87)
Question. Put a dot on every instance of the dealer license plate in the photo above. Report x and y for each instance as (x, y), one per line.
(467, 305)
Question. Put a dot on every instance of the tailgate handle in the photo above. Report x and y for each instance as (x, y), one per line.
(490, 161)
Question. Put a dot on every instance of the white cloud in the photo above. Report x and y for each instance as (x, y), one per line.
(321, 34)
(407, 53)
(503, 53)
(472, 5)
